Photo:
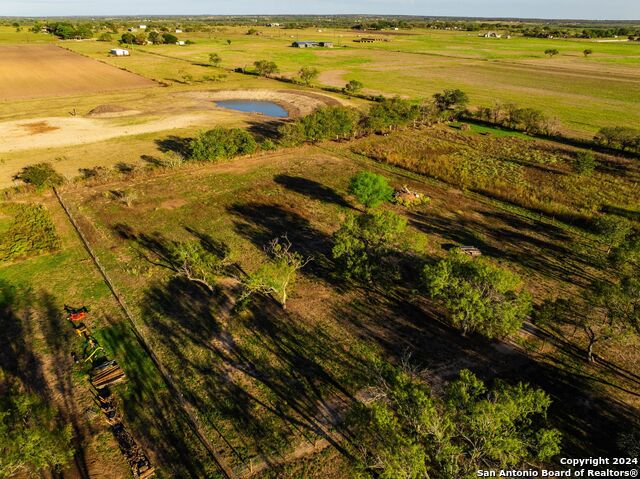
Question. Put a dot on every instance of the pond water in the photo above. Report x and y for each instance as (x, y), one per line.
(254, 106)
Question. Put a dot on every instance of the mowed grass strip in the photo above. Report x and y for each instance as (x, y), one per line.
(36, 71)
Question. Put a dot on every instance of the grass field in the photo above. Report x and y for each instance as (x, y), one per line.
(269, 387)
(584, 94)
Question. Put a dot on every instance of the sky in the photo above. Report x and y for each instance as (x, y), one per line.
(580, 9)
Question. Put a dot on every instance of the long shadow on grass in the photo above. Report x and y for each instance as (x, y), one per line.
(17, 353)
(262, 378)
(260, 223)
(589, 420)
(520, 242)
(312, 189)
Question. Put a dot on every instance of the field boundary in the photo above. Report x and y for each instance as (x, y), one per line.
(166, 375)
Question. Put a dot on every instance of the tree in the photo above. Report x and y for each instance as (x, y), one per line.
(215, 59)
(625, 257)
(155, 38)
(31, 437)
(618, 137)
(105, 37)
(330, 122)
(128, 38)
(585, 163)
(265, 68)
(308, 74)
(620, 303)
(612, 229)
(587, 52)
(371, 189)
(277, 275)
(200, 261)
(391, 113)
(407, 431)
(353, 87)
(452, 101)
(479, 295)
(221, 143)
(364, 245)
(228, 42)
(40, 175)
(551, 52)
(169, 39)
(141, 38)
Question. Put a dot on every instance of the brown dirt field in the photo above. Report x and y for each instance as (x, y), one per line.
(38, 127)
(41, 71)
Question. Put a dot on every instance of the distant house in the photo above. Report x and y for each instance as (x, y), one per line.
(273, 25)
(305, 44)
(142, 27)
(366, 40)
(119, 52)
(312, 44)
(180, 42)
(178, 30)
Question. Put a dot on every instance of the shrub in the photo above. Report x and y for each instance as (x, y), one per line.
(308, 74)
(128, 38)
(353, 87)
(330, 122)
(370, 189)
(222, 143)
(41, 175)
(454, 101)
(621, 137)
(105, 37)
(30, 232)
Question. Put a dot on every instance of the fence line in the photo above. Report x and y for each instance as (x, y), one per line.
(166, 375)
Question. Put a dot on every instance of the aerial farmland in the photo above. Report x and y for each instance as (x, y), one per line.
(318, 246)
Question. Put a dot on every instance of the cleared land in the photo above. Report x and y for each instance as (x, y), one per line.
(39, 71)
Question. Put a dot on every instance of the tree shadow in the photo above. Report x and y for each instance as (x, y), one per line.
(588, 419)
(312, 189)
(260, 223)
(266, 129)
(175, 144)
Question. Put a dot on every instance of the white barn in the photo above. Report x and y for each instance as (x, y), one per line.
(119, 52)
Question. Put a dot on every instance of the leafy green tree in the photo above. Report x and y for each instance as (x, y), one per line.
(215, 59)
(265, 67)
(277, 275)
(128, 38)
(200, 262)
(586, 52)
(371, 189)
(221, 143)
(391, 113)
(155, 38)
(353, 87)
(409, 432)
(141, 39)
(621, 137)
(330, 122)
(105, 37)
(40, 175)
(585, 163)
(32, 440)
(308, 74)
(481, 297)
(620, 303)
(551, 52)
(169, 39)
(452, 101)
(364, 245)
(228, 42)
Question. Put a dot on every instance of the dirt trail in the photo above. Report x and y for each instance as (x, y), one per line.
(60, 131)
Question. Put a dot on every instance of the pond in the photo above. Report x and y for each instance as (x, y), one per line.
(254, 106)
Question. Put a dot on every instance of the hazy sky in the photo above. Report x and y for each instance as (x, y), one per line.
(583, 9)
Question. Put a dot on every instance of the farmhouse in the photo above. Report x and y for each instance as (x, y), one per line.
(369, 40)
(312, 44)
(142, 27)
(119, 52)
(273, 25)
